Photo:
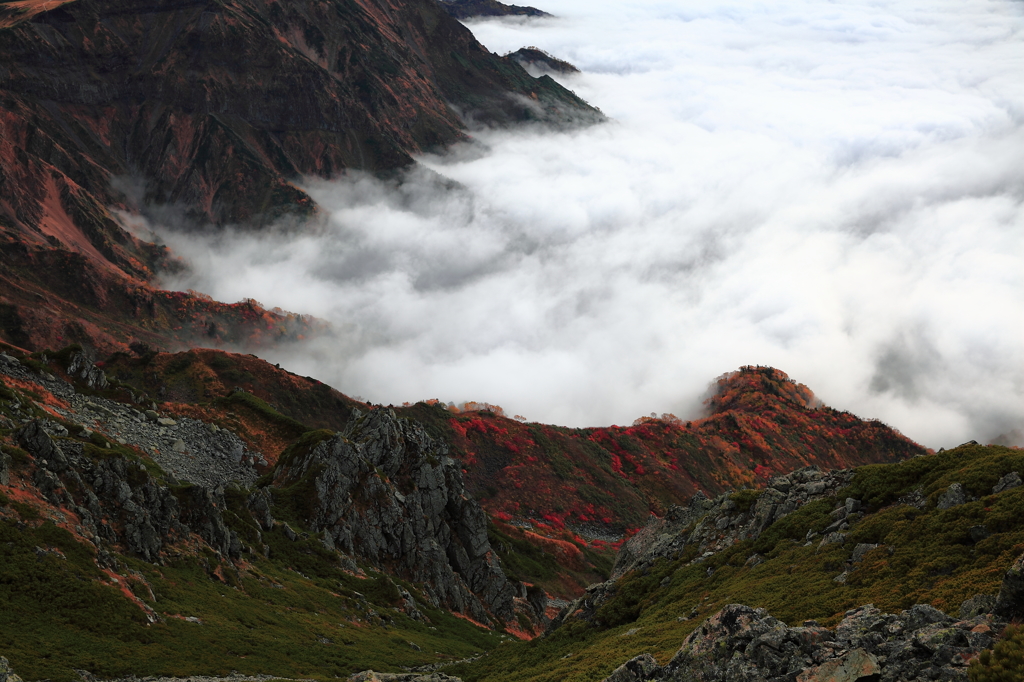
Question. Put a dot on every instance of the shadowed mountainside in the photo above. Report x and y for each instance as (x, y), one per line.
(212, 109)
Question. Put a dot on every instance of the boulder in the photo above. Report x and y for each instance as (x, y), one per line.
(1010, 480)
(952, 497)
(851, 667)
(639, 669)
(977, 605)
(1010, 601)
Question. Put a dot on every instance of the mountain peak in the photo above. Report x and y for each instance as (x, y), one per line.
(754, 388)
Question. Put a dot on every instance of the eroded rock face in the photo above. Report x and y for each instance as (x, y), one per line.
(388, 493)
(743, 644)
(119, 503)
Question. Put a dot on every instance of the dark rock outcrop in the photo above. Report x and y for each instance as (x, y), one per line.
(468, 9)
(119, 502)
(80, 366)
(1009, 602)
(539, 59)
(388, 493)
(742, 644)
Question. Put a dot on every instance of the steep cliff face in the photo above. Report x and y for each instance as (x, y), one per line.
(386, 492)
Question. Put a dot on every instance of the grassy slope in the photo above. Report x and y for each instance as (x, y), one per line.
(932, 560)
(293, 615)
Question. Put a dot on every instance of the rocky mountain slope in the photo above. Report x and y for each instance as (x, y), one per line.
(888, 572)
(208, 113)
(589, 487)
(371, 525)
(220, 524)
(564, 497)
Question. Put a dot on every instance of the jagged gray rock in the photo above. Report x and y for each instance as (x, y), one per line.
(6, 674)
(1010, 480)
(81, 366)
(743, 644)
(388, 493)
(119, 502)
(952, 497)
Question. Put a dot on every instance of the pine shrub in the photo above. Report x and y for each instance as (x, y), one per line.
(1004, 663)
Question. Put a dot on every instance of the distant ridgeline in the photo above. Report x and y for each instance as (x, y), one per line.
(204, 512)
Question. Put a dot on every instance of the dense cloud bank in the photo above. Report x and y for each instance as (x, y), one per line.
(833, 189)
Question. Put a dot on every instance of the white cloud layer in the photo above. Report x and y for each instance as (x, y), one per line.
(835, 189)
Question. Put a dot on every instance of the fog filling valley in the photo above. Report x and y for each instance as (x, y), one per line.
(830, 188)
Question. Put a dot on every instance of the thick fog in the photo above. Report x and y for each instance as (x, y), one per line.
(830, 188)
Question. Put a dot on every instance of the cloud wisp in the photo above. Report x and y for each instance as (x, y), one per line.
(833, 189)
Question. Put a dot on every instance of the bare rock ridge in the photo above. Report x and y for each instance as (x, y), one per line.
(539, 59)
(388, 493)
(468, 9)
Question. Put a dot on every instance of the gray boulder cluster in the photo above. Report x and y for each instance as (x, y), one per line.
(741, 644)
(388, 493)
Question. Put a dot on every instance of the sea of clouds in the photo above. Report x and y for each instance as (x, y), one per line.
(831, 188)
